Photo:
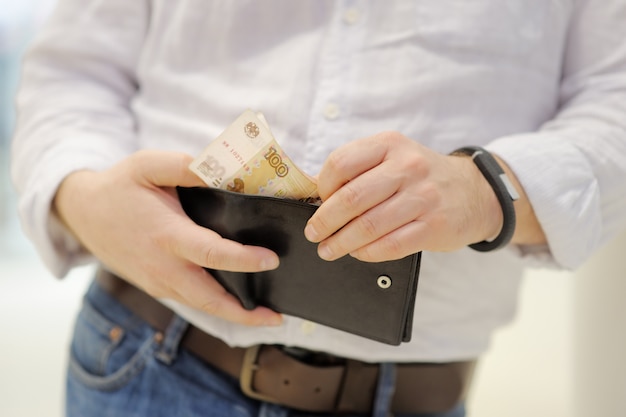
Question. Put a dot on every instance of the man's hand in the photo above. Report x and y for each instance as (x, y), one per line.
(387, 196)
(130, 218)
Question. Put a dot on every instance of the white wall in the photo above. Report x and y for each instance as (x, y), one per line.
(600, 334)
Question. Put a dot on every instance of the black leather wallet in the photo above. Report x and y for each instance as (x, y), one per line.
(373, 300)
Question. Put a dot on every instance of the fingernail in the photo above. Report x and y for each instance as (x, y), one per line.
(270, 263)
(310, 233)
(325, 252)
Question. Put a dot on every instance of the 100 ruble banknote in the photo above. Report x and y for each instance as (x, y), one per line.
(246, 158)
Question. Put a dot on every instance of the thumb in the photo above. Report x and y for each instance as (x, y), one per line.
(164, 169)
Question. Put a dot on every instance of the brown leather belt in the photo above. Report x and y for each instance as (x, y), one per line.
(270, 373)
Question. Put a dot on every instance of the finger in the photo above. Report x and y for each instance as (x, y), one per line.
(201, 291)
(350, 201)
(419, 235)
(350, 161)
(392, 214)
(401, 242)
(164, 169)
(206, 248)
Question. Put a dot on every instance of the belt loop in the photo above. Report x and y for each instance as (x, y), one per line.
(385, 389)
(171, 340)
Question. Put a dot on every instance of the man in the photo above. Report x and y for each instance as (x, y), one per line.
(117, 96)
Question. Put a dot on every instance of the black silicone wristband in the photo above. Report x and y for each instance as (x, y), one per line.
(505, 193)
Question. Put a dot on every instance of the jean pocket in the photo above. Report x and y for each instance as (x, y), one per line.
(106, 355)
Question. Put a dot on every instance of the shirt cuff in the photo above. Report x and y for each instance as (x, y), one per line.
(58, 248)
(563, 191)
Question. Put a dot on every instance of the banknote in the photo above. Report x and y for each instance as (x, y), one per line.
(246, 158)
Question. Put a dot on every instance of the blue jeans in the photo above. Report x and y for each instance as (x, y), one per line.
(118, 368)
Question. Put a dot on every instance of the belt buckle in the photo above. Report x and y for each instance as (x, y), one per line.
(246, 377)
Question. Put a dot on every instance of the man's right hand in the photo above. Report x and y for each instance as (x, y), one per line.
(129, 217)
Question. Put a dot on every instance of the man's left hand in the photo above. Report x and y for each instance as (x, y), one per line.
(387, 196)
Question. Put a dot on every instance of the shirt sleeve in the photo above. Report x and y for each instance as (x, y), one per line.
(73, 109)
(574, 168)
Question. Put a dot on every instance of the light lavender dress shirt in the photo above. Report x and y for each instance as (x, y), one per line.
(541, 83)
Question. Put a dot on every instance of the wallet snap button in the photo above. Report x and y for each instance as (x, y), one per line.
(384, 282)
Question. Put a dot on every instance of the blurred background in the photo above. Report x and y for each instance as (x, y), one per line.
(561, 357)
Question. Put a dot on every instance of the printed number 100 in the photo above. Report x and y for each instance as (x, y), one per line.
(276, 162)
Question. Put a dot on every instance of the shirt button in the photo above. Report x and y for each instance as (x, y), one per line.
(307, 327)
(351, 16)
(331, 111)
